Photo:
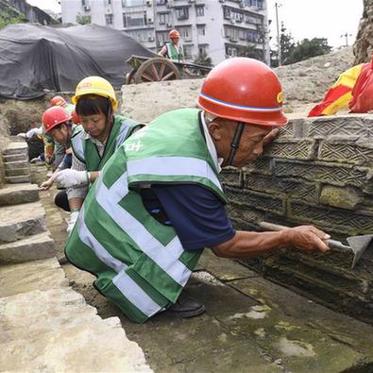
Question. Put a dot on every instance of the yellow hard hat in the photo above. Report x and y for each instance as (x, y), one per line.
(95, 85)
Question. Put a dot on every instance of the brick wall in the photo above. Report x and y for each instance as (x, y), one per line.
(318, 171)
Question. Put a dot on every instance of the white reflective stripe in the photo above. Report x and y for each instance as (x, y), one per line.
(165, 257)
(173, 166)
(135, 294)
(123, 131)
(87, 238)
(241, 107)
(77, 143)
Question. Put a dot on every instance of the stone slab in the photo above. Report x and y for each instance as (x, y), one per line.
(36, 275)
(20, 221)
(36, 247)
(63, 334)
(16, 148)
(18, 193)
(16, 165)
(18, 172)
(18, 179)
(15, 157)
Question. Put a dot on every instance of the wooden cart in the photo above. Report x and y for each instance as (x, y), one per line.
(145, 69)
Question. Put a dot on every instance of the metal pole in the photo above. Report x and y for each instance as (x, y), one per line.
(278, 36)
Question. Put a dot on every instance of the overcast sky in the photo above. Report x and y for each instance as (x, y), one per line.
(302, 18)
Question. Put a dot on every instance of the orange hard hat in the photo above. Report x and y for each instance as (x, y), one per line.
(53, 117)
(174, 34)
(75, 117)
(57, 101)
(244, 90)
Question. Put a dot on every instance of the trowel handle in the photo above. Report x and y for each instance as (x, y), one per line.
(335, 245)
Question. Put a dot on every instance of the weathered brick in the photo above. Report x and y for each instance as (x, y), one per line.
(346, 197)
(329, 173)
(274, 185)
(346, 151)
(292, 149)
(348, 125)
(260, 201)
(231, 176)
(263, 165)
(351, 223)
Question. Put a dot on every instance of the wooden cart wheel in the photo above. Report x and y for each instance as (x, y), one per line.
(130, 77)
(155, 70)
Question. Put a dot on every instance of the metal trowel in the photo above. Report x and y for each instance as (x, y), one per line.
(358, 244)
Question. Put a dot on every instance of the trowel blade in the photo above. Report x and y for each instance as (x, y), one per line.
(358, 245)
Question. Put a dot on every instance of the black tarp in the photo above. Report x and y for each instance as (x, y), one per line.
(34, 57)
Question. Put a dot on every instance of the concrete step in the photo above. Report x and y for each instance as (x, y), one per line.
(16, 148)
(56, 331)
(16, 165)
(15, 157)
(15, 194)
(20, 221)
(39, 246)
(40, 275)
(18, 179)
(18, 172)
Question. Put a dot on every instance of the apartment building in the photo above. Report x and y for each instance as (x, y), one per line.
(217, 28)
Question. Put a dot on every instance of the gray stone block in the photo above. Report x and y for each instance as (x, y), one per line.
(18, 179)
(16, 148)
(15, 157)
(19, 193)
(41, 275)
(18, 172)
(292, 149)
(16, 165)
(19, 221)
(346, 198)
(329, 173)
(36, 247)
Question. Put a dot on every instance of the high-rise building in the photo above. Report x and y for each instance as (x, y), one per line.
(215, 28)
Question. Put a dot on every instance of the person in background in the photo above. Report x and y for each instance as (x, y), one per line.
(93, 142)
(57, 123)
(172, 49)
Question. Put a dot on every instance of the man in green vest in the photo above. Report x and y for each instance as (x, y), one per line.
(95, 141)
(172, 49)
(158, 201)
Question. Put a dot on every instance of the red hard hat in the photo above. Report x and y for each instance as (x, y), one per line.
(53, 117)
(57, 101)
(245, 90)
(75, 117)
(173, 34)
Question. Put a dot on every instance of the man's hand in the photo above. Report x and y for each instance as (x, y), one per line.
(307, 238)
(46, 184)
(69, 178)
(73, 218)
(271, 136)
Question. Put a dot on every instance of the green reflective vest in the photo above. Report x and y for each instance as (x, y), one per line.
(175, 54)
(140, 263)
(86, 151)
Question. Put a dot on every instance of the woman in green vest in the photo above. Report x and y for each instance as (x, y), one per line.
(93, 142)
(173, 50)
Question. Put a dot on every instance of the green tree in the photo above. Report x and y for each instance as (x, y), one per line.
(287, 47)
(203, 59)
(8, 17)
(251, 52)
(83, 20)
(309, 48)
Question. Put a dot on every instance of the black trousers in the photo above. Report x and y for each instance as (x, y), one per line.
(61, 200)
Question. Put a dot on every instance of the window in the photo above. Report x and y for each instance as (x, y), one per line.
(201, 30)
(161, 2)
(107, 2)
(185, 33)
(187, 51)
(231, 51)
(162, 37)
(200, 10)
(163, 18)
(132, 3)
(202, 50)
(134, 19)
(182, 13)
(108, 19)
